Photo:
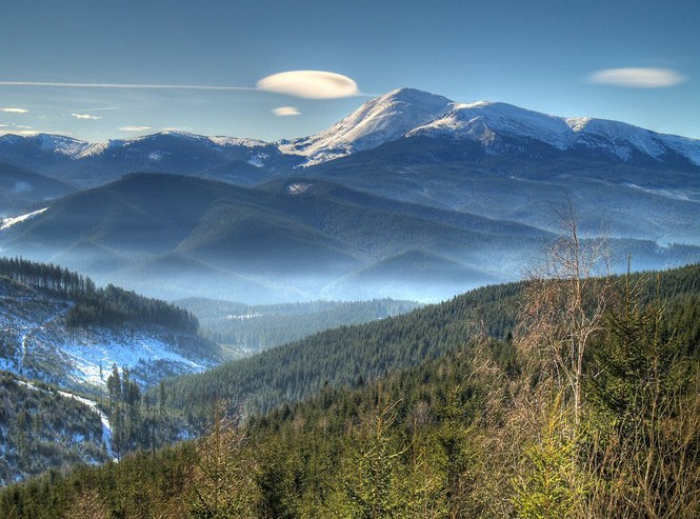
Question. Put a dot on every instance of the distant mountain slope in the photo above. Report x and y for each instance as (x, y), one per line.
(496, 130)
(22, 191)
(479, 184)
(414, 274)
(500, 128)
(253, 328)
(384, 119)
(241, 161)
(652, 202)
(153, 231)
(55, 326)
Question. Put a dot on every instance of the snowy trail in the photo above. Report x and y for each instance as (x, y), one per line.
(106, 425)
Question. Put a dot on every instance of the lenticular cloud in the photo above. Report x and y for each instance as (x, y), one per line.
(637, 77)
(309, 84)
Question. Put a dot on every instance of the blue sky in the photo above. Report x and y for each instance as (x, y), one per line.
(559, 57)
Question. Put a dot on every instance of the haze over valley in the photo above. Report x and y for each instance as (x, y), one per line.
(413, 196)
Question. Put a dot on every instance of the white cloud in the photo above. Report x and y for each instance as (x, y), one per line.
(286, 111)
(134, 128)
(4, 125)
(14, 110)
(637, 77)
(86, 116)
(309, 84)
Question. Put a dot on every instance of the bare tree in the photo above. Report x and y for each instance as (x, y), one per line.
(565, 302)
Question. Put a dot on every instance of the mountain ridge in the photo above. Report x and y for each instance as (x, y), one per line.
(399, 114)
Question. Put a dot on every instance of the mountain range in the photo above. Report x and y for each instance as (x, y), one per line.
(411, 191)
(498, 128)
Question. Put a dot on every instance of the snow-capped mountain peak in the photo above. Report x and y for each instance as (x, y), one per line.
(384, 119)
(483, 121)
(52, 143)
(60, 144)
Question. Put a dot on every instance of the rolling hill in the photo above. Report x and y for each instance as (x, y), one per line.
(22, 191)
(286, 239)
(408, 174)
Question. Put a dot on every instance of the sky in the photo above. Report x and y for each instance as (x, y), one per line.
(107, 69)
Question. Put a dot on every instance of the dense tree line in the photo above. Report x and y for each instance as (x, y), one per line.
(138, 422)
(481, 431)
(109, 306)
(40, 429)
(342, 356)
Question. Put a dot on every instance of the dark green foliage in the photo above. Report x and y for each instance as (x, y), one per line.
(342, 356)
(109, 306)
(467, 433)
(41, 429)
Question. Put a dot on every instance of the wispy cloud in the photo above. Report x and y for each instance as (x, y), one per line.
(134, 128)
(14, 110)
(178, 129)
(309, 84)
(123, 85)
(637, 77)
(101, 109)
(86, 116)
(286, 111)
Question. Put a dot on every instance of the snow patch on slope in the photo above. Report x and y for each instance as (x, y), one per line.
(6, 223)
(62, 145)
(37, 343)
(87, 356)
(483, 120)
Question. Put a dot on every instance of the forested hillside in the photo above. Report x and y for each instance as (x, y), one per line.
(348, 355)
(491, 427)
(41, 429)
(110, 306)
(58, 327)
(253, 328)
